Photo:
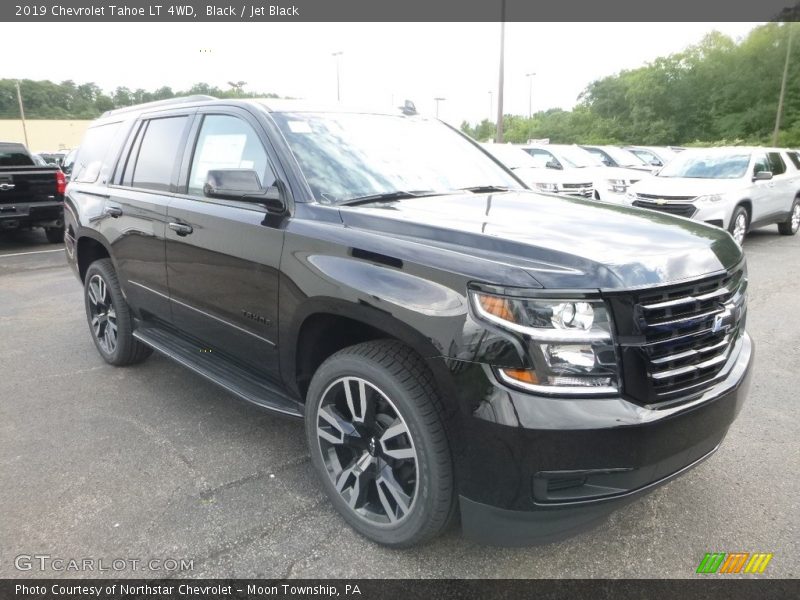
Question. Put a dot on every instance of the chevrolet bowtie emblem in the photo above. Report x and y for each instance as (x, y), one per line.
(660, 201)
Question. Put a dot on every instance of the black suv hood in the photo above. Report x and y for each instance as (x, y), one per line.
(562, 242)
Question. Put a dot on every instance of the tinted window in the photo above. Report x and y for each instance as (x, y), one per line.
(777, 166)
(795, 158)
(14, 155)
(227, 142)
(158, 153)
(94, 153)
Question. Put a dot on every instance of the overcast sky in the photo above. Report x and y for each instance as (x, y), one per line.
(381, 62)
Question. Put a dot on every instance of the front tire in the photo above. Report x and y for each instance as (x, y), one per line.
(109, 316)
(377, 440)
(740, 220)
(792, 224)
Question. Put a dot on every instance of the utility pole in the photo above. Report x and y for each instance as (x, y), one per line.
(491, 106)
(499, 134)
(779, 115)
(530, 77)
(437, 105)
(336, 55)
(22, 114)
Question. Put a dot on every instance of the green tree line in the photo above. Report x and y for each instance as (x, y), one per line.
(69, 100)
(713, 93)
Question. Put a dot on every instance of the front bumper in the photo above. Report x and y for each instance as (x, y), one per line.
(567, 463)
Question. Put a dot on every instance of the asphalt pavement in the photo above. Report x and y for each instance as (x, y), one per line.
(153, 463)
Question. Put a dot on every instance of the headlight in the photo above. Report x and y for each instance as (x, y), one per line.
(710, 199)
(547, 187)
(569, 342)
(618, 186)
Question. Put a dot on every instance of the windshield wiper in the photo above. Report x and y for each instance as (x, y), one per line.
(388, 196)
(483, 189)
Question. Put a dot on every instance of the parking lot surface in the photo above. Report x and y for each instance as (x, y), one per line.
(154, 462)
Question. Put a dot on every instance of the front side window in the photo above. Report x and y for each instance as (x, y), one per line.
(158, 153)
(760, 163)
(353, 155)
(541, 158)
(227, 142)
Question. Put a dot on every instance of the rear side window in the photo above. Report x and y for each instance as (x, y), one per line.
(776, 164)
(795, 158)
(94, 153)
(158, 153)
(14, 155)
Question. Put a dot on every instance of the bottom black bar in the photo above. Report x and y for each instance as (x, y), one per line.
(709, 587)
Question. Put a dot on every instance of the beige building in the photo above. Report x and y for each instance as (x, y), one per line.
(44, 135)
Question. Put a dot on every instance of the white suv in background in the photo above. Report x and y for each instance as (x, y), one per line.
(734, 188)
(572, 182)
(610, 183)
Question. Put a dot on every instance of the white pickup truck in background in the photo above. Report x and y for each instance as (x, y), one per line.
(736, 188)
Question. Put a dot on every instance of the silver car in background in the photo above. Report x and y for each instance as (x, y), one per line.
(736, 188)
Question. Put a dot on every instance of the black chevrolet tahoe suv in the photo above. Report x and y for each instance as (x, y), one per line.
(456, 343)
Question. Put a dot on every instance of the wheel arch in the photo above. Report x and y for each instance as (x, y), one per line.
(327, 325)
(89, 247)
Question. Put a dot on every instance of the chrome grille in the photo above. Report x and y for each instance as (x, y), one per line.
(585, 190)
(682, 337)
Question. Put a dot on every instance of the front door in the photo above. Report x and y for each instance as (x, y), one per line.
(223, 256)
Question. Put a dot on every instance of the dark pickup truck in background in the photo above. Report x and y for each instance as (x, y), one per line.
(31, 195)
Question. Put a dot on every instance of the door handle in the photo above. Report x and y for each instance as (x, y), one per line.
(181, 228)
(112, 211)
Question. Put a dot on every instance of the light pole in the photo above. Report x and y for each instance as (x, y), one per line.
(530, 77)
(783, 86)
(437, 105)
(499, 133)
(22, 114)
(336, 55)
(491, 106)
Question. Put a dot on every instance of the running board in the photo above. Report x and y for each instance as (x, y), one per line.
(222, 371)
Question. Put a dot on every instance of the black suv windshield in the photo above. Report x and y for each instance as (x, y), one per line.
(346, 156)
(707, 166)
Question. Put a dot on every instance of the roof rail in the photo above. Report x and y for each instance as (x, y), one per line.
(157, 103)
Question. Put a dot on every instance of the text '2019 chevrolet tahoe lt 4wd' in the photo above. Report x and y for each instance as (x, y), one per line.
(453, 340)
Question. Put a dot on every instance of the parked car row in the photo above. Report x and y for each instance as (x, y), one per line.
(735, 188)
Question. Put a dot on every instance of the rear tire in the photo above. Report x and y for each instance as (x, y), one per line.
(792, 224)
(109, 316)
(740, 221)
(55, 235)
(377, 440)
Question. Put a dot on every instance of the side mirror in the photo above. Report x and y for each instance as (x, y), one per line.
(656, 163)
(243, 185)
(552, 164)
(762, 176)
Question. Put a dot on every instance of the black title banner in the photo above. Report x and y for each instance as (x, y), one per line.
(255, 11)
(710, 588)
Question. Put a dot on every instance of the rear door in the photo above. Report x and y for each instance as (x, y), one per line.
(135, 214)
(223, 255)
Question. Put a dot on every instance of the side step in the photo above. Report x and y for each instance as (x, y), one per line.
(222, 371)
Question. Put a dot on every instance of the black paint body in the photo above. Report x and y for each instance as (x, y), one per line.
(274, 291)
